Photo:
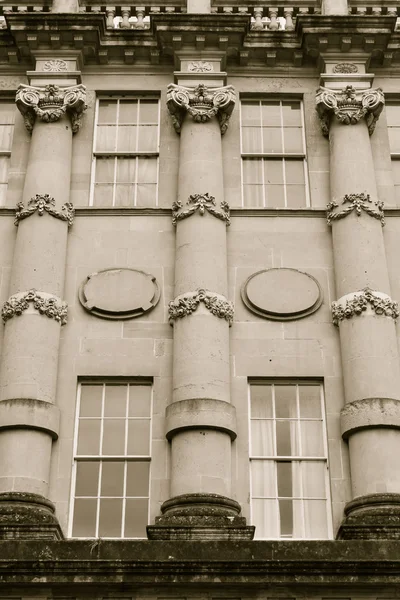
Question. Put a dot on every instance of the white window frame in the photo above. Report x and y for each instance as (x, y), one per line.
(109, 458)
(137, 154)
(394, 156)
(7, 153)
(295, 458)
(265, 156)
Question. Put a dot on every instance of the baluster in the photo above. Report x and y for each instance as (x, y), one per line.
(258, 13)
(288, 14)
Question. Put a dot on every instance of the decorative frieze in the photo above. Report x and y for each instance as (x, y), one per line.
(349, 106)
(201, 103)
(200, 203)
(187, 304)
(358, 302)
(50, 103)
(200, 66)
(345, 67)
(41, 204)
(55, 66)
(358, 203)
(44, 303)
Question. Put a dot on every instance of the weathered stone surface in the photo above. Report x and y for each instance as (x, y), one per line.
(372, 517)
(27, 516)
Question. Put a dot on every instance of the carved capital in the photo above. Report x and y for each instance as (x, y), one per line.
(46, 304)
(348, 106)
(187, 304)
(201, 103)
(358, 302)
(50, 103)
(200, 203)
(41, 204)
(358, 203)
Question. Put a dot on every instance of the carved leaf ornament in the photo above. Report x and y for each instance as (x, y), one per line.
(358, 203)
(200, 203)
(187, 304)
(45, 304)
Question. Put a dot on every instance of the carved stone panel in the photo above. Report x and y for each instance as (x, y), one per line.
(119, 293)
(282, 294)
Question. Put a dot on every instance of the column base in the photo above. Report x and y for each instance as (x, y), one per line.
(27, 517)
(200, 517)
(372, 517)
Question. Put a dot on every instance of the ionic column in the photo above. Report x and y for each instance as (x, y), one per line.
(200, 421)
(365, 314)
(35, 312)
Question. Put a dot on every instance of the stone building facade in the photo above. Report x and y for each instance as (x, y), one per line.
(199, 368)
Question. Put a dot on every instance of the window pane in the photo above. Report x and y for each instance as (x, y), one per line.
(271, 113)
(91, 400)
(105, 170)
(396, 171)
(103, 194)
(137, 479)
(263, 478)
(291, 114)
(110, 517)
(294, 171)
(295, 196)
(272, 139)
(148, 138)
(139, 400)
(89, 436)
(394, 138)
(251, 140)
(310, 401)
(315, 519)
(285, 401)
(265, 517)
(146, 194)
(286, 438)
(286, 518)
(136, 517)
(106, 138)
(127, 138)
(6, 135)
(3, 193)
(138, 437)
(148, 111)
(252, 170)
(84, 517)
(275, 195)
(126, 170)
(115, 401)
(112, 478)
(124, 195)
(273, 171)
(114, 436)
(253, 195)
(313, 479)
(7, 113)
(107, 111)
(128, 112)
(293, 139)
(261, 401)
(87, 478)
(262, 439)
(284, 472)
(147, 170)
(251, 113)
(311, 438)
(393, 114)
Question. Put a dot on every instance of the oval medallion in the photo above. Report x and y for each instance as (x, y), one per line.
(119, 293)
(282, 294)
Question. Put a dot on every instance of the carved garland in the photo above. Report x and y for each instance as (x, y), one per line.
(201, 203)
(46, 304)
(359, 203)
(187, 304)
(360, 302)
(42, 203)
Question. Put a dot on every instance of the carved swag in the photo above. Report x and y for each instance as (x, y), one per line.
(41, 204)
(201, 203)
(201, 103)
(187, 304)
(46, 304)
(360, 302)
(50, 103)
(357, 203)
(349, 106)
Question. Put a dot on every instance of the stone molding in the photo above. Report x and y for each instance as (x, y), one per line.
(30, 413)
(369, 413)
(201, 103)
(349, 106)
(200, 413)
(50, 103)
(358, 202)
(44, 203)
(186, 304)
(44, 303)
(201, 203)
(356, 303)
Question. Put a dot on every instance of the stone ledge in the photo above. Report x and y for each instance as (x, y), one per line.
(369, 413)
(141, 562)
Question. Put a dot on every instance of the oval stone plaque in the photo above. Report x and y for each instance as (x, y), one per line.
(119, 293)
(282, 294)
